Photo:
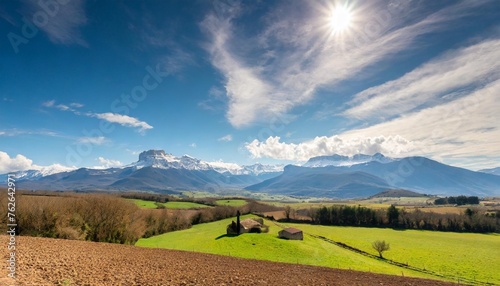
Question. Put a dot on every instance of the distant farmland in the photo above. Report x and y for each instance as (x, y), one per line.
(169, 205)
(231, 202)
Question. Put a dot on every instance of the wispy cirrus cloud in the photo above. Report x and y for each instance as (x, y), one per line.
(71, 107)
(247, 93)
(49, 103)
(297, 55)
(123, 120)
(226, 138)
(18, 132)
(62, 24)
(163, 38)
(456, 132)
(216, 99)
(76, 105)
(462, 128)
(452, 75)
(99, 140)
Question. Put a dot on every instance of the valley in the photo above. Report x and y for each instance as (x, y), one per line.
(198, 225)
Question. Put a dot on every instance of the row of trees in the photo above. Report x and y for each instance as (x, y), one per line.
(102, 218)
(469, 221)
(86, 217)
(460, 200)
(159, 198)
(106, 217)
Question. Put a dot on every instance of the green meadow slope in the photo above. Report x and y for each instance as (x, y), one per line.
(211, 238)
(467, 255)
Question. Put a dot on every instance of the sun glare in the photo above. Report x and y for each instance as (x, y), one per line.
(340, 19)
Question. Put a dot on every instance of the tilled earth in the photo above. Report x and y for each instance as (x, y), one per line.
(43, 261)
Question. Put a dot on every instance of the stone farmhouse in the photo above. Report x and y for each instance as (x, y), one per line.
(249, 225)
(291, 233)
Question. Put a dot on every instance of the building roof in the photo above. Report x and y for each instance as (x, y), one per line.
(292, 230)
(250, 223)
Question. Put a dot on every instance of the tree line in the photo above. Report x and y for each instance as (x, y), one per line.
(469, 221)
(104, 217)
(460, 201)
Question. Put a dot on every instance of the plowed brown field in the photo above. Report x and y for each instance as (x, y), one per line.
(43, 261)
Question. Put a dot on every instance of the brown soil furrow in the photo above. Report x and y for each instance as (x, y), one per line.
(43, 261)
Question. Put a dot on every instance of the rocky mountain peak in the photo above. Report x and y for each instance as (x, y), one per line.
(151, 154)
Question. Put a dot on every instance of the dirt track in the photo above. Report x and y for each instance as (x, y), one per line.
(43, 261)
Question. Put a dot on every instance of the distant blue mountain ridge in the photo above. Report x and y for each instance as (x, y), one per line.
(343, 180)
(333, 176)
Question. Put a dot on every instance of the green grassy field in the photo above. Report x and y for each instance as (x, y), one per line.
(467, 255)
(143, 204)
(169, 205)
(184, 205)
(231, 203)
(211, 238)
(375, 203)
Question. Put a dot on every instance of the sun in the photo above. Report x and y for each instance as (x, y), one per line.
(340, 19)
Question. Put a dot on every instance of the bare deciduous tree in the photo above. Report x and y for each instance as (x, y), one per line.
(288, 211)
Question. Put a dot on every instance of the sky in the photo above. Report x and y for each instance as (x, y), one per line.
(94, 83)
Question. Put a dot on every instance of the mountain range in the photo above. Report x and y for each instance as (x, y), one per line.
(154, 171)
(333, 176)
(344, 177)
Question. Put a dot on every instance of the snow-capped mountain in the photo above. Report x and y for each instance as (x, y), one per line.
(339, 160)
(493, 171)
(156, 159)
(258, 169)
(38, 173)
(255, 169)
(161, 160)
(326, 176)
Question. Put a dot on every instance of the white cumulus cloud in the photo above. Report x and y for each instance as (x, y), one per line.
(17, 163)
(273, 148)
(22, 163)
(107, 163)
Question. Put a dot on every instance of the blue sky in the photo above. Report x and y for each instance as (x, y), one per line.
(94, 83)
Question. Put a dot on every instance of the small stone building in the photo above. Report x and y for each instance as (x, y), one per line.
(255, 225)
(291, 233)
(248, 225)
